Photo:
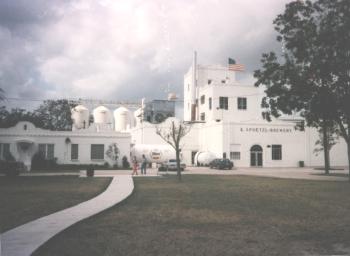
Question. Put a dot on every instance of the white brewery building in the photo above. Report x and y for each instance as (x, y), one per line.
(225, 118)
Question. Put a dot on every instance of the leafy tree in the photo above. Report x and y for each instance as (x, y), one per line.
(11, 118)
(312, 75)
(332, 140)
(2, 94)
(173, 132)
(56, 114)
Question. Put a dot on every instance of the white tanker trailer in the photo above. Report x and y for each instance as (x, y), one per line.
(154, 153)
(204, 158)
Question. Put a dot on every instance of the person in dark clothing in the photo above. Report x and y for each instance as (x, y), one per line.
(143, 165)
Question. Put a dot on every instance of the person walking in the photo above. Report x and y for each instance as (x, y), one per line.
(135, 166)
(143, 165)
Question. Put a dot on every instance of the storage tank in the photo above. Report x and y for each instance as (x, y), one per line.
(102, 115)
(204, 157)
(154, 153)
(80, 117)
(123, 119)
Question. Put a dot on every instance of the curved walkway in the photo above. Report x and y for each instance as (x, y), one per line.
(25, 239)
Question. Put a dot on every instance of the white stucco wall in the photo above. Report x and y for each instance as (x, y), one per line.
(62, 149)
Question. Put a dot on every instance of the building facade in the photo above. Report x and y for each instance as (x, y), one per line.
(229, 123)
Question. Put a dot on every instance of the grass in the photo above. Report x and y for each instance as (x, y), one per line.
(23, 199)
(216, 215)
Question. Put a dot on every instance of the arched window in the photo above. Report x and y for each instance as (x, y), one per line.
(256, 148)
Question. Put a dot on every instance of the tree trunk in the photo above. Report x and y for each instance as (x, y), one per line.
(178, 163)
(325, 147)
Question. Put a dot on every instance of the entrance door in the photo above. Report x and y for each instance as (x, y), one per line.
(193, 154)
(256, 157)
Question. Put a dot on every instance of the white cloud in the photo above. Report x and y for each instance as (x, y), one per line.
(115, 49)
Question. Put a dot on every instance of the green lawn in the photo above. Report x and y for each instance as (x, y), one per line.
(23, 199)
(216, 215)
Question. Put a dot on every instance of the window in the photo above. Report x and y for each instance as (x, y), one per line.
(4, 151)
(202, 116)
(242, 103)
(209, 81)
(223, 81)
(47, 151)
(276, 152)
(202, 99)
(235, 155)
(223, 102)
(209, 103)
(74, 153)
(97, 151)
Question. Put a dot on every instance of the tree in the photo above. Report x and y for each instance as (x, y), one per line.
(2, 94)
(173, 132)
(312, 75)
(332, 140)
(11, 118)
(56, 114)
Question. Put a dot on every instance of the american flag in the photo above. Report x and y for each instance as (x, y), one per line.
(233, 66)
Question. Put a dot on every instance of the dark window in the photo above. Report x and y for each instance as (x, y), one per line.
(202, 99)
(4, 151)
(209, 81)
(224, 155)
(97, 151)
(276, 152)
(242, 103)
(25, 127)
(74, 154)
(223, 81)
(209, 103)
(202, 116)
(223, 102)
(235, 155)
(47, 151)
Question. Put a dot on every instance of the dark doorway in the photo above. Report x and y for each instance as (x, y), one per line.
(256, 156)
(192, 156)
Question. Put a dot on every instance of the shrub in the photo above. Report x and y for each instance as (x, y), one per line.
(12, 169)
(40, 163)
(125, 162)
(90, 171)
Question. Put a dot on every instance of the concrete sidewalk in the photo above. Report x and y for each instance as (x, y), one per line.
(305, 173)
(25, 239)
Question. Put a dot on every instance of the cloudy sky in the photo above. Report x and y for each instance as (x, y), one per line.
(125, 49)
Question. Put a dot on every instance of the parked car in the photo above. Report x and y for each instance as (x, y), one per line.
(221, 163)
(170, 165)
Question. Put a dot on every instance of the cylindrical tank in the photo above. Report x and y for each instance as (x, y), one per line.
(123, 119)
(153, 153)
(80, 117)
(102, 115)
(204, 157)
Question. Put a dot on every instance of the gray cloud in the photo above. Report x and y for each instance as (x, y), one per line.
(125, 49)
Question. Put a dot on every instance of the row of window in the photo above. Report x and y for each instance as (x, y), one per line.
(223, 102)
(96, 153)
(276, 153)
